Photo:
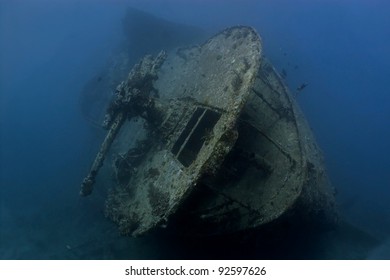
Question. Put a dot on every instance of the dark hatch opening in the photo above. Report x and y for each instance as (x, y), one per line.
(194, 135)
(187, 130)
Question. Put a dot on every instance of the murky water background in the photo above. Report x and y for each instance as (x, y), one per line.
(50, 49)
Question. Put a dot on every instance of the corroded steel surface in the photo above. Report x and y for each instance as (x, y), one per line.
(216, 144)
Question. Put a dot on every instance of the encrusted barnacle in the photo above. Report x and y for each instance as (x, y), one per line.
(236, 81)
(159, 200)
(152, 173)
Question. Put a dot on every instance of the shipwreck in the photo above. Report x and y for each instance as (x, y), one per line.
(208, 140)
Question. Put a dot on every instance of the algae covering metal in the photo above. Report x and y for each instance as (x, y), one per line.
(208, 140)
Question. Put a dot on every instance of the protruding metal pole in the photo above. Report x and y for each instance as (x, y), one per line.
(128, 98)
(87, 184)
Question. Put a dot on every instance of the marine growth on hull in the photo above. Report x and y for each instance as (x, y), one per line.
(208, 140)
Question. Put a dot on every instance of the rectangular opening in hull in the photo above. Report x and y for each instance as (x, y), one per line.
(192, 138)
(187, 130)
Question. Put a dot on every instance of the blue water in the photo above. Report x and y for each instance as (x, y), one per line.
(50, 49)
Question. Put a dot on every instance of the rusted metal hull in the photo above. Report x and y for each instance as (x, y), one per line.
(275, 172)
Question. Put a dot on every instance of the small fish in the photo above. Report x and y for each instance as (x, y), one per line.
(302, 86)
(284, 73)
